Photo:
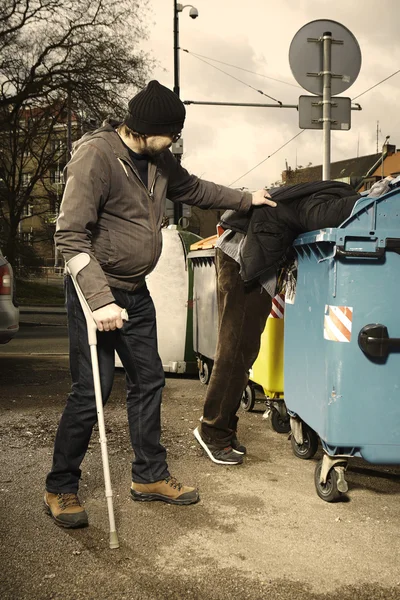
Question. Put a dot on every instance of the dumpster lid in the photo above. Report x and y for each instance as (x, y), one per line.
(206, 244)
(194, 254)
(372, 219)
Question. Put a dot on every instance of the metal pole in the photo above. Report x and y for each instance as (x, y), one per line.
(241, 104)
(69, 121)
(57, 211)
(383, 155)
(252, 104)
(56, 217)
(176, 49)
(178, 210)
(326, 104)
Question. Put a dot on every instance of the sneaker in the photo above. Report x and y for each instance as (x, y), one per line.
(221, 456)
(237, 446)
(66, 510)
(167, 490)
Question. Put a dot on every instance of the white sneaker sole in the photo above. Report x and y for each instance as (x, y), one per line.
(233, 449)
(238, 452)
(198, 437)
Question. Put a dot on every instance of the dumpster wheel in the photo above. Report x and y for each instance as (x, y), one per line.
(279, 423)
(248, 398)
(327, 491)
(308, 448)
(204, 371)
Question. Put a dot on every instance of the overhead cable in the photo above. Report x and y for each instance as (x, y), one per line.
(265, 159)
(376, 85)
(233, 77)
(240, 68)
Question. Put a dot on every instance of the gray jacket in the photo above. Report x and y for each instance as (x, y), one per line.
(108, 212)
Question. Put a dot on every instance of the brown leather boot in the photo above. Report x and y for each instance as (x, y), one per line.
(66, 510)
(167, 490)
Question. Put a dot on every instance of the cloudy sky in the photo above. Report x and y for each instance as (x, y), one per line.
(222, 143)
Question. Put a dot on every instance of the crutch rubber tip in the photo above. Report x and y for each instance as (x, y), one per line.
(114, 543)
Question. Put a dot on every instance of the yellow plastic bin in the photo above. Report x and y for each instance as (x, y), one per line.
(267, 370)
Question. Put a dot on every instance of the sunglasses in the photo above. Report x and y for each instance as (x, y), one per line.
(176, 136)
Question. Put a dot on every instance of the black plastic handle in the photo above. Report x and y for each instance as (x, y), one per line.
(392, 244)
(378, 253)
(375, 342)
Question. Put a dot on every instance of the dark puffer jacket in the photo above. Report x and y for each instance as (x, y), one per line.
(270, 231)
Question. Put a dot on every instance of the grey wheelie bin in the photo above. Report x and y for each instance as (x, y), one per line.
(205, 309)
(171, 287)
(342, 343)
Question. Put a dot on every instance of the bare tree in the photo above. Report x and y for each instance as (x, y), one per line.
(58, 56)
(88, 48)
(32, 148)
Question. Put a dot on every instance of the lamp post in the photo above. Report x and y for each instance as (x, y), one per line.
(193, 14)
(177, 147)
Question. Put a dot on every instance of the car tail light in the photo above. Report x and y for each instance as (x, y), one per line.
(5, 280)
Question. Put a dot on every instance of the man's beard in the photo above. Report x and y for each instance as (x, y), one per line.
(152, 153)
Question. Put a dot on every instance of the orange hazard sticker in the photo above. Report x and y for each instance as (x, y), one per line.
(338, 323)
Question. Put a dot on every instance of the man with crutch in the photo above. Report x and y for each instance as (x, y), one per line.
(116, 184)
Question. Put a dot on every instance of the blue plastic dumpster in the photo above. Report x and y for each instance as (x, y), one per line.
(342, 343)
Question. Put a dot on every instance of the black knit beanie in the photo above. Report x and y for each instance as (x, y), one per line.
(155, 110)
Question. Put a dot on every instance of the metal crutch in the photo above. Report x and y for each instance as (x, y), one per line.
(74, 266)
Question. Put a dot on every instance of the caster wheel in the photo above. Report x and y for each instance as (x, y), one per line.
(205, 372)
(248, 399)
(279, 424)
(327, 491)
(308, 448)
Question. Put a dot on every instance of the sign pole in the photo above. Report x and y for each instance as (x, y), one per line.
(326, 73)
(327, 104)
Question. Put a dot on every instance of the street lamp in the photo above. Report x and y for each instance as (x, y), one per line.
(177, 147)
(193, 13)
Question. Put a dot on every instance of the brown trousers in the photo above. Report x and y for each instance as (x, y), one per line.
(243, 311)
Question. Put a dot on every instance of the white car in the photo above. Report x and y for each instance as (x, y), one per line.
(9, 311)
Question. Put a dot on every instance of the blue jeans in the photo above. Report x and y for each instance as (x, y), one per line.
(136, 344)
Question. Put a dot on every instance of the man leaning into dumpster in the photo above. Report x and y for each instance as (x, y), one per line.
(116, 184)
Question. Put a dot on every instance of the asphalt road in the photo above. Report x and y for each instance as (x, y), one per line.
(36, 339)
(259, 531)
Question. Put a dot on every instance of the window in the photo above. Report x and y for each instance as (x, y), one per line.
(56, 176)
(26, 179)
(27, 210)
(54, 205)
(26, 237)
(56, 146)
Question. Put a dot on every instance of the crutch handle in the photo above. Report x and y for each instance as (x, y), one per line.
(75, 266)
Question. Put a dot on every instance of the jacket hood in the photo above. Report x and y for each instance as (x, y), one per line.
(108, 126)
